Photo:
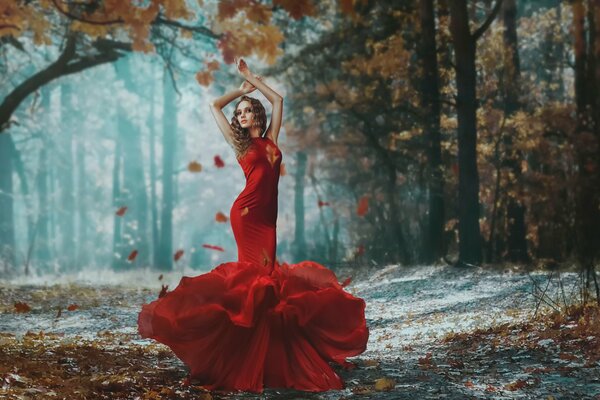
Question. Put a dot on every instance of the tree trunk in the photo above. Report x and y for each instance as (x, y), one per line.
(430, 101)
(169, 135)
(515, 211)
(67, 176)
(468, 176)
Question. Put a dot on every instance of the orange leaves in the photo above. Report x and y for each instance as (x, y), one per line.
(121, 211)
(205, 77)
(178, 254)
(194, 166)
(219, 162)
(296, 8)
(220, 217)
(363, 206)
(210, 246)
(22, 307)
(72, 307)
(242, 37)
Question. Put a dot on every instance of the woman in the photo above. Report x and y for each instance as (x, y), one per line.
(256, 323)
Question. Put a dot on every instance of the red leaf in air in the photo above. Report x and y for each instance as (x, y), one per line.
(323, 203)
(219, 162)
(160, 277)
(72, 307)
(121, 211)
(210, 246)
(220, 217)
(132, 255)
(455, 169)
(363, 206)
(347, 281)
(163, 291)
(360, 250)
(21, 307)
(178, 254)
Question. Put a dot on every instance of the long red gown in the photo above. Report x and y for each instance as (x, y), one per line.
(257, 323)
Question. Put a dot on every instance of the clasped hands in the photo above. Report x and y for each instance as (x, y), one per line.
(243, 69)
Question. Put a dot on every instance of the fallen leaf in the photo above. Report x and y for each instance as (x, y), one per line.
(72, 307)
(21, 307)
(384, 384)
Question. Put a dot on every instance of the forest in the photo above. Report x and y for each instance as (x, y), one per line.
(442, 156)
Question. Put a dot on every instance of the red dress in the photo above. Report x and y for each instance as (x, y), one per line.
(257, 323)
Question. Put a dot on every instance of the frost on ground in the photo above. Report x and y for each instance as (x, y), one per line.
(435, 332)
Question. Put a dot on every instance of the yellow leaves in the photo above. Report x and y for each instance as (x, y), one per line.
(384, 384)
(194, 166)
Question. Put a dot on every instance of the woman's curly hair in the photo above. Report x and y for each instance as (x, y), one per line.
(241, 136)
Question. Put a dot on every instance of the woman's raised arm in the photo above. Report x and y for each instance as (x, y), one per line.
(216, 108)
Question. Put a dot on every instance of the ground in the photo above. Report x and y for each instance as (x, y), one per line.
(435, 332)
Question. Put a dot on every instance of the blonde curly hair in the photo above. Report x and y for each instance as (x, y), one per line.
(241, 136)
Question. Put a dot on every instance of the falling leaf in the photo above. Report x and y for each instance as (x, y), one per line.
(72, 307)
(282, 171)
(384, 384)
(160, 277)
(132, 255)
(194, 166)
(360, 250)
(363, 206)
(219, 162)
(178, 254)
(163, 290)
(121, 211)
(210, 246)
(245, 211)
(220, 217)
(323, 203)
(21, 307)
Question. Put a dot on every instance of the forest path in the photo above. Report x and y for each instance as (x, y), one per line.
(96, 348)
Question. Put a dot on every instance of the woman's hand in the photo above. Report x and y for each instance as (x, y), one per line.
(246, 87)
(242, 67)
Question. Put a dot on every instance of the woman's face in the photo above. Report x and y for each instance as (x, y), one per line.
(244, 114)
